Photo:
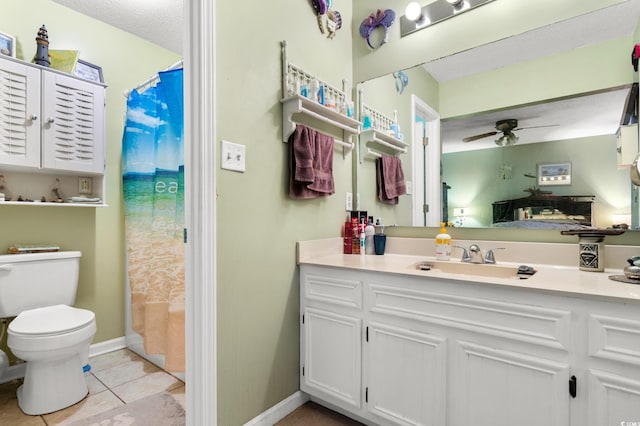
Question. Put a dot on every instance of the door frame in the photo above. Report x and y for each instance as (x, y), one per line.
(426, 186)
(200, 212)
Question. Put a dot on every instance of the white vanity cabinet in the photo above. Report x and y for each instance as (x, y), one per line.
(331, 338)
(448, 352)
(50, 123)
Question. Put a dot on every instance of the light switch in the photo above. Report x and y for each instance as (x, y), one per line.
(232, 156)
(348, 202)
(409, 187)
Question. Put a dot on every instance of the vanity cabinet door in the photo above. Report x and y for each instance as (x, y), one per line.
(331, 357)
(331, 336)
(405, 377)
(613, 366)
(502, 387)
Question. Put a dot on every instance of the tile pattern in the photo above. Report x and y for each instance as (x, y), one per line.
(116, 378)
(312, 414)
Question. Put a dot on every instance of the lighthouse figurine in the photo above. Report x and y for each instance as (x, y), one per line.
(42, 48)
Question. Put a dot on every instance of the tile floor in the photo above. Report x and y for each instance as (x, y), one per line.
(115, 379)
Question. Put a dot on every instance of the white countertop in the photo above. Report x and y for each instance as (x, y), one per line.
(569, 280)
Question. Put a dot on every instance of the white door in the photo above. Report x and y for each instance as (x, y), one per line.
(331, 363)
(613, 399)
(19, 114)
(496, 387)
(73, 124)
(405, 376)
(427, 190)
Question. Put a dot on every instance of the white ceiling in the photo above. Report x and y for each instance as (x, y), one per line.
(158, 21)
(595, 114)
(577, 117)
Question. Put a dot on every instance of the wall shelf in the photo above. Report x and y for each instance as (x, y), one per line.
(297, 104)
(298, 109)
(374, 143)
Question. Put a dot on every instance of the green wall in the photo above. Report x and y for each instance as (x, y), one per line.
(380, 94)
(594, 172)
(126, 60)
(257, 224)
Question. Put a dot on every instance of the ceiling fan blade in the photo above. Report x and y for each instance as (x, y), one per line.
(535, 127)
(476, 137)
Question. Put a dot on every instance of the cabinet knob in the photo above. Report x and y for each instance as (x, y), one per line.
(33, 117)
(51, 120)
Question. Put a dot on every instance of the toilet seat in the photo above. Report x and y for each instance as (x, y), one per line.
(51, 321)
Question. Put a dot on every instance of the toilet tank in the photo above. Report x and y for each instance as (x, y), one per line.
(36, 280)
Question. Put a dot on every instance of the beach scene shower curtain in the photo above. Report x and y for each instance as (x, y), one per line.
(153, 197)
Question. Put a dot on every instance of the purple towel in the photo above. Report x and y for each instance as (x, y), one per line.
(310, 164)
(390, 179)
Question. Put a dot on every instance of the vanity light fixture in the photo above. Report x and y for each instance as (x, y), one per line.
(418, 17)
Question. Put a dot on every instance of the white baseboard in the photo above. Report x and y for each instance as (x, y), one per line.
(279, 411)
(107, 346)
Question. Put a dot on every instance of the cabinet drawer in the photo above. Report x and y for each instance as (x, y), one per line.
(613, 338)
(527, 323)
(332, 290)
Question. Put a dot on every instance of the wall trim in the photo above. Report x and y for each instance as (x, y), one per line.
(107, 346)
(279, 411)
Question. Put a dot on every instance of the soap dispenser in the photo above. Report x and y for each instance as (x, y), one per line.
(443, 244)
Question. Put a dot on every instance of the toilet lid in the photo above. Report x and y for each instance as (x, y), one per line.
(51, 320)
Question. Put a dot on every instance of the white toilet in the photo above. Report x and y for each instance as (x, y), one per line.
(50, 335)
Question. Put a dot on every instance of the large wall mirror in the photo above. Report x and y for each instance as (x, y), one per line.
(535, 130)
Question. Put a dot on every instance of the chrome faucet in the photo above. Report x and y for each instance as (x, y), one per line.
(490, 257)
(474, 255)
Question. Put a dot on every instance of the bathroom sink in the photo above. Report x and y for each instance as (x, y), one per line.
(477, 269)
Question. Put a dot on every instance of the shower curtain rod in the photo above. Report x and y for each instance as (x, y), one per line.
(153, 79)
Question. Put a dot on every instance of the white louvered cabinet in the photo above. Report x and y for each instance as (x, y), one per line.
(73, 124)
(52, 126)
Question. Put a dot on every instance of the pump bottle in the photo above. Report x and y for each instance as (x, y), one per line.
(443, 244)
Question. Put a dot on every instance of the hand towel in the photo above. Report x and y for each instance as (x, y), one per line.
(310, 164)
(390, 179)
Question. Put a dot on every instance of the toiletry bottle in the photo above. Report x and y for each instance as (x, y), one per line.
(363, 241)
(314, 88)
(369, 231)
(443, 244)
(347, 237)
(394, 126)
(355, 237)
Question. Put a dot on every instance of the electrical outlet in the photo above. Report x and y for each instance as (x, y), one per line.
(85, 185)
(348, 202)
(232, 156)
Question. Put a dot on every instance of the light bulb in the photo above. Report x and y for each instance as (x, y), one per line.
(460, 6)
(413, 11)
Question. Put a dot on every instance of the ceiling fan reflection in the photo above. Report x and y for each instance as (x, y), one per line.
(506, 127)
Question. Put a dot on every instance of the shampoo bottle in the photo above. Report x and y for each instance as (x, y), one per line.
(443, 244)
(369, 231)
